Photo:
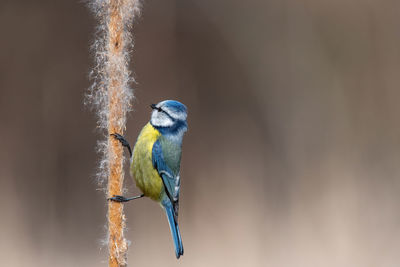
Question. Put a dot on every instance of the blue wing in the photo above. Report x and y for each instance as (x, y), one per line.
(166, 160)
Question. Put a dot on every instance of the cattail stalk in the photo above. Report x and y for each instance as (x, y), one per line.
(111, 95)
(116, 220)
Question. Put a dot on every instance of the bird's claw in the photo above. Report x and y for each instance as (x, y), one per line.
(118, 198)
(123, 141)
(120, 138)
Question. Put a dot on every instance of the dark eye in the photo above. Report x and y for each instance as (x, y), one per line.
(153, 106)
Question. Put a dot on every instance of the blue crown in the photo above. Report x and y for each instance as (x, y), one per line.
(174, 105)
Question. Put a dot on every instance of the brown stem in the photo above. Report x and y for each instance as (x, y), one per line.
(111, 95)
(116, 217)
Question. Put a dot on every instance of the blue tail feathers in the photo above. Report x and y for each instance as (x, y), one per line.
(176, 235)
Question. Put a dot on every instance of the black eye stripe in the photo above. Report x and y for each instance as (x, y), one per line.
(166, 113)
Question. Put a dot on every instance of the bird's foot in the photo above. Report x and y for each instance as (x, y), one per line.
(118, 198)
(123, 142)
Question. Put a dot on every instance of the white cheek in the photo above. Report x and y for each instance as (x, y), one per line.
(161, 119)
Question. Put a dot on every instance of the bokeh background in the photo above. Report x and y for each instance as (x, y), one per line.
(292, 156)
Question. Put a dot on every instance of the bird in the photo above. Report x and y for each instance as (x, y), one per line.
(156, 160)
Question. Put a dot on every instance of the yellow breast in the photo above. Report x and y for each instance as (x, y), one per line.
(147, 178)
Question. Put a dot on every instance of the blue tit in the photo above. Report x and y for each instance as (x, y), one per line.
(156, 160)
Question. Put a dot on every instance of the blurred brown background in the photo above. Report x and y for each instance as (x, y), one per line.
(292, 156)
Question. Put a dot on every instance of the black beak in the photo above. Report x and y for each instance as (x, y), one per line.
(153, 106)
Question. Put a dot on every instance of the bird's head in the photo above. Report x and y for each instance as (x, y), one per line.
(169, 116)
